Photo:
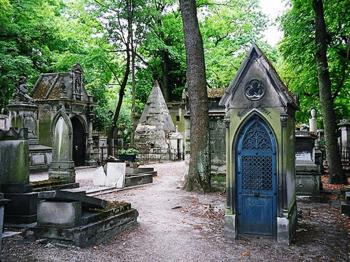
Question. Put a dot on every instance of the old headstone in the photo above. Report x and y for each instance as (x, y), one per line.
(260, 152)
(344, 127)
(115, 174)
(62, 165)
(99, 177)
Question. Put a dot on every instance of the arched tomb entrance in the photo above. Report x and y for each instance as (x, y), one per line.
(79, 141)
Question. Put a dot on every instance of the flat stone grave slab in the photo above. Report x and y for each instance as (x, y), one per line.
(66, 195)
(99, 176)
(115, 174)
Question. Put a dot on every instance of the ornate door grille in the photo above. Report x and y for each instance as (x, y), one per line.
(256, 179)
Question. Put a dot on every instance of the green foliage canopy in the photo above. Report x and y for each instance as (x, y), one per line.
(298, 50)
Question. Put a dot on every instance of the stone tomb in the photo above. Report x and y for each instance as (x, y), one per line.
(155, 130)
(14, 175)
(72, 217)
(260, 156)
(23, 113)
(52, 92)
(308, 173)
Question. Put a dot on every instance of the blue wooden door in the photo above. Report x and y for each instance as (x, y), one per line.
(256, 177)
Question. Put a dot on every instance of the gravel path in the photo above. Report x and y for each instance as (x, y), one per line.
(175, 225)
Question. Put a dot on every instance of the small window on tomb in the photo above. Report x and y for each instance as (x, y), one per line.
(177, 118)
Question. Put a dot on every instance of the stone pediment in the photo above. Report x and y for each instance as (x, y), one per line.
(56, 86)
(257, 84)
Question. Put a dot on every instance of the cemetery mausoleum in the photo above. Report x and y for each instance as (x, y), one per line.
(260, 152)
(54, 91)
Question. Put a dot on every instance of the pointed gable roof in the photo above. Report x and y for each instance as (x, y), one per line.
(156, 112)
(52, 85)
(255, 54)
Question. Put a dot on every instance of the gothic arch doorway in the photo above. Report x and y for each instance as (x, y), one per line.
(79, 142)
(256, 178)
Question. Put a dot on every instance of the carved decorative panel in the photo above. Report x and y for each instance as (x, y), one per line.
(256, 138)
(254, 90)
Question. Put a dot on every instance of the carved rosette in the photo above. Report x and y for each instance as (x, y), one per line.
(254, 90)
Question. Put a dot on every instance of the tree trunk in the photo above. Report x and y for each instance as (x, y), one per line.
(165, 86)
(119, 104)
(133, 93)
(336, 174)
(198, 177)
(123, 83)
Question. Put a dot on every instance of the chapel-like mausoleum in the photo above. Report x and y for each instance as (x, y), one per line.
(260, 152)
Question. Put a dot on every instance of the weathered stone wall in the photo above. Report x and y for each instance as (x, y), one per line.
(217, 145)
(152, 143)
(217, 132)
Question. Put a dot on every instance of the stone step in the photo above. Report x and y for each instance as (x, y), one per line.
(55, 187)
(52, 184)
(92, 216)
(138, 179)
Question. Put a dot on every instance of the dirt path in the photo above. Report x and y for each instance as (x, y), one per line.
(175, 225)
